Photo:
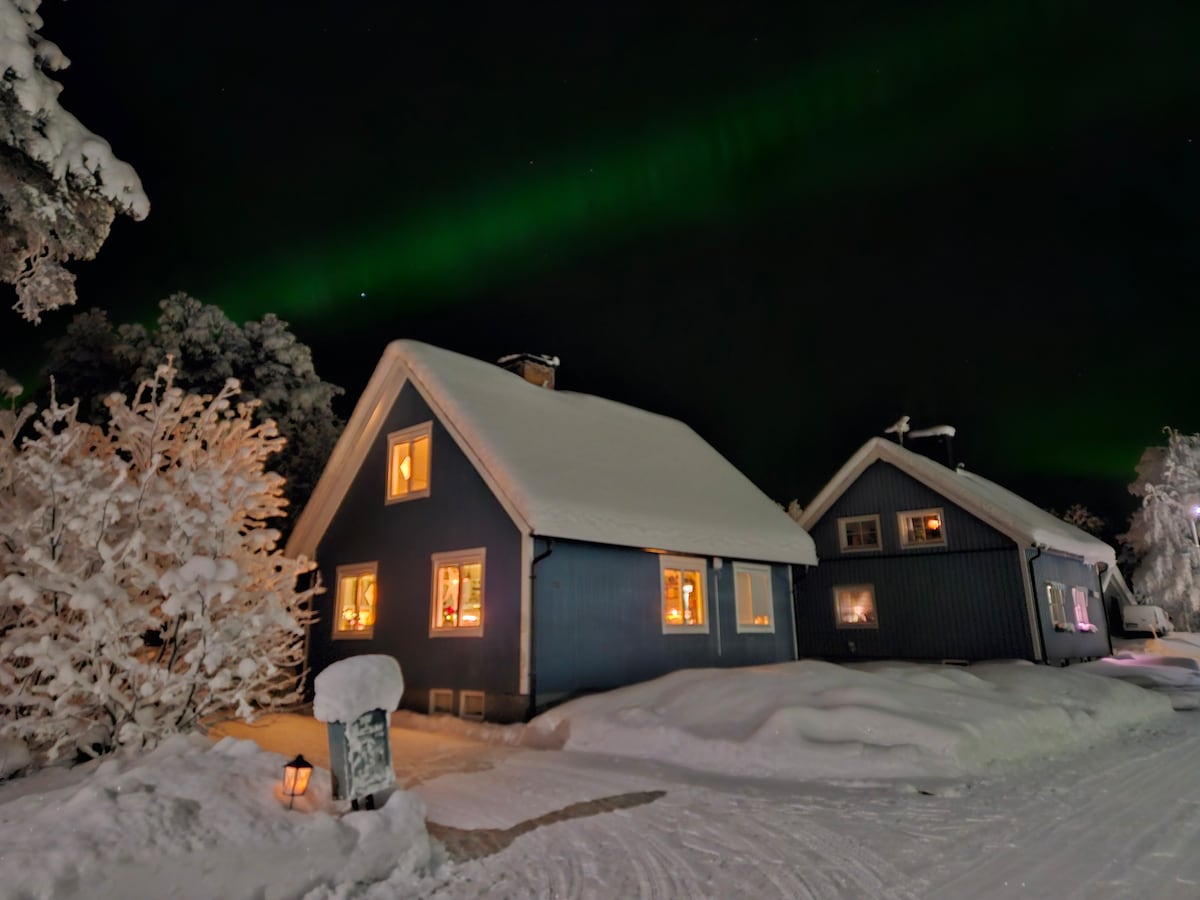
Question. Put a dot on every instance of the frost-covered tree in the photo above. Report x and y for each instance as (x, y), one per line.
(1081, 517)
(93, 359)
(60, 185)
(1162, 532)
(141, 589)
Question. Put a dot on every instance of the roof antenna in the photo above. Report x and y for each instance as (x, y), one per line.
(943, 431)
(898, 428)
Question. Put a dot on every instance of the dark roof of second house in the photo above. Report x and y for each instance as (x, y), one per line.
(999, 507)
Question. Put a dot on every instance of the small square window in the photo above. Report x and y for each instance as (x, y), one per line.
(470, 705)
(458, 594)
(408, 463)
(854, 606)
(856, 533)
(755, 601)
(441, 700)
(922, 528)
(682, 583)
(357, 595)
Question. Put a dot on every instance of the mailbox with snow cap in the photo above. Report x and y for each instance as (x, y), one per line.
(353, 698)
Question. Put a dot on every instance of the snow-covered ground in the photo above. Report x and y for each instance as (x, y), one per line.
(800, 780)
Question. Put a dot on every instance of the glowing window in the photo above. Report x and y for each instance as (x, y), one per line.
(1083, 620)
(357, 595)
(755, 603)
(1055, 598)
(684, 602)
(408, 463)
(922, 528)
(859, 533)
(458, 593)
(854, 606)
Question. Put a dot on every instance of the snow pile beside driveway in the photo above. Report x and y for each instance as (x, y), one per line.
(816, 720)
(1178, 677)
(197, 820)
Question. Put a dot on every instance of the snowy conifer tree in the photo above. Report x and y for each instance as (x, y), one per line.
(1081, 517)
(1162, 532)
(60, 185)
(140, 590)
(93, 359)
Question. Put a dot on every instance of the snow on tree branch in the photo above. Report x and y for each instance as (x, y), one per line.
(1162, 532)
(60, 185)
(140, 589)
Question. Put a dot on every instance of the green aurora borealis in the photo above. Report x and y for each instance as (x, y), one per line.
(885, 110)
(954, 210)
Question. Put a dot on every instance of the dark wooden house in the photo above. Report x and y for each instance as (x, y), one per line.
(512, 545)
(922, 561)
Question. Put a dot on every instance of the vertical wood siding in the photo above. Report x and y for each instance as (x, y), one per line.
(598, 621)
(460, 513)
(963, 600)
(1062, 645)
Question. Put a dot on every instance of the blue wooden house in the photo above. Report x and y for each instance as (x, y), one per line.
(512, 545)
(922, 561)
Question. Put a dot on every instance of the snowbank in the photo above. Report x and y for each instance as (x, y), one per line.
(350, 687)
(14, 756)
(813, 720)
(196, 820)
(1178, 677)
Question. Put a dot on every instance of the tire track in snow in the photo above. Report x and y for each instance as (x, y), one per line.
(1095, 826)
(695, 842)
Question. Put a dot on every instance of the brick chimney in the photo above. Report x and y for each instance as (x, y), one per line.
(534, 368)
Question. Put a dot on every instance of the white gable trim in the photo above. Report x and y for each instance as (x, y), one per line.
(348, 454)
(363, 429)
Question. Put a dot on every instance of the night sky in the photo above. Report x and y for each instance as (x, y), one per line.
(785, 224)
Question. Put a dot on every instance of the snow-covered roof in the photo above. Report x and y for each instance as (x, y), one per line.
(567, 465)
(999, 507)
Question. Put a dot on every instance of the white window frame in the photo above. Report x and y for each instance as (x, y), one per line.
(901, 523)
(449, 557)
(855, 626)
(753, 569)
(425, 430)
(441, 700)
(850, 520)
(1060, 622)
(695, 563)
(354, 570)
(470, 697)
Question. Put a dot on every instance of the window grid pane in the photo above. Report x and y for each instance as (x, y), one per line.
(1079, 595)
(401, 468)
(856, 606)
(761, 582)
(470, 595)
(419, 480)
(693, 598)
(448, 602)
(356, 603)
(1058, 611)
(745, 599)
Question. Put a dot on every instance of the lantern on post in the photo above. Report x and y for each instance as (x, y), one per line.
(295, 778)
